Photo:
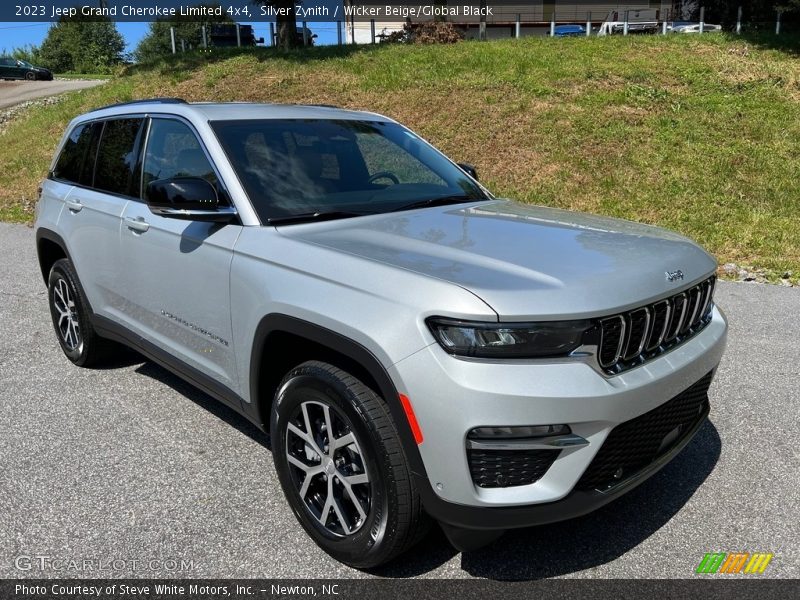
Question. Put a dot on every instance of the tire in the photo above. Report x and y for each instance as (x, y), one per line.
(317, 397)
(30, 76)
(71, 318)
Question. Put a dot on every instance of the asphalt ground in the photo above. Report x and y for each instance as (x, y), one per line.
(134, 471)
(16, 92)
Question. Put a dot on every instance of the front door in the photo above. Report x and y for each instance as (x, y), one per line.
(176, 277)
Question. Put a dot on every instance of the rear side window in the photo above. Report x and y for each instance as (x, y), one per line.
(116, 157)
(76, 162)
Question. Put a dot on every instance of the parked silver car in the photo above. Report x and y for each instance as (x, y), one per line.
(418, 349)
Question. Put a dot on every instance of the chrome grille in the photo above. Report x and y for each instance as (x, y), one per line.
(638, 322)
(611, 341)
(633, 337)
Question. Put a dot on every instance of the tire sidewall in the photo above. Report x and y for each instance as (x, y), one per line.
(309, 384)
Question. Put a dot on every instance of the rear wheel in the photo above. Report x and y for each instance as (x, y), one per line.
(342, 468)
(71, 319)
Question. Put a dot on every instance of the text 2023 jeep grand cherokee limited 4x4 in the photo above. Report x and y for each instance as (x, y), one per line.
(417, 349)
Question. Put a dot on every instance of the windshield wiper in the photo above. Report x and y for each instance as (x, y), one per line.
(439, 201)
(310, 217)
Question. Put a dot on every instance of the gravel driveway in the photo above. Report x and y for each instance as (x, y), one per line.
(16, 92)
(131, 464)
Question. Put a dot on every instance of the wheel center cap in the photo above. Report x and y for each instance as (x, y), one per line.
(330, 468)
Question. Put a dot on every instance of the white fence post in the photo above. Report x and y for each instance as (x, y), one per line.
(553, 24)
(172, 37)
(588, 24)
(238, 36)
(518, 26)
(625, 24)
(778, 24)
(739, 22)
(702, 19)
(205, 39)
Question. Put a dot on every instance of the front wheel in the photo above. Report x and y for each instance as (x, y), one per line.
(342, 467)
(30, 76)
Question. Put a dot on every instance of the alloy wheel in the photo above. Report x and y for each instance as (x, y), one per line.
(68, 325)
(328, 468)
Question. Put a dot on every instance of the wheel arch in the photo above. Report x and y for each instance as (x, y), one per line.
(299, 341)
(50, 247)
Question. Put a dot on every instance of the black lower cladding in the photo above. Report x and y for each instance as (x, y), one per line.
(504, 468)
(635, 444)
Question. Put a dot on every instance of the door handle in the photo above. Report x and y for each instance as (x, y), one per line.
(74, 205)
(139, 225)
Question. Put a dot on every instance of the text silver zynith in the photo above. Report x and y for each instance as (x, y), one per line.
(417, 349)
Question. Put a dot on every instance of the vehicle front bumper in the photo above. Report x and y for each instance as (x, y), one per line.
(451, 396)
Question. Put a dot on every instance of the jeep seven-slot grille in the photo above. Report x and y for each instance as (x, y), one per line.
(504, 468)
(635, 444)
(629, 339)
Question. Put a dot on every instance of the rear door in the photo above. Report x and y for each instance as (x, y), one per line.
(97, 161)
(5, 64)
(176, 279)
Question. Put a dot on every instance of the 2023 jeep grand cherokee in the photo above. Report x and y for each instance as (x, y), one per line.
(416, 347)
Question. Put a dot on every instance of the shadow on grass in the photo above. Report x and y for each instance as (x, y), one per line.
(528, 554)
(786, 42)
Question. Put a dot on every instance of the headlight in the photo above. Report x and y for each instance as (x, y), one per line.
(508, 340)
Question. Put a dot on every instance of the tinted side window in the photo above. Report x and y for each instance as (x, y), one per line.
(173, 150)
(116, 157)
(72, 163)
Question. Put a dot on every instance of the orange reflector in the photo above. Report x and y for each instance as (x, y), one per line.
(412, 418)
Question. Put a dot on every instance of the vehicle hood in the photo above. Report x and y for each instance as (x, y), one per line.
(524, 261)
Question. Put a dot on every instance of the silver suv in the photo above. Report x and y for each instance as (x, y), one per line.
(418, 350)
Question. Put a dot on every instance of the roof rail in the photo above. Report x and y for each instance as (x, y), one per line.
(147, 101)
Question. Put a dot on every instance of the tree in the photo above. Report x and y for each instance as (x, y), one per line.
(158, 41)
(286, 22)
(725, 11)
(82, 46)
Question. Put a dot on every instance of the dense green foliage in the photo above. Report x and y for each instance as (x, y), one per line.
(80, 46)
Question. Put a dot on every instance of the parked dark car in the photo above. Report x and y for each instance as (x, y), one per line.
(13, 68)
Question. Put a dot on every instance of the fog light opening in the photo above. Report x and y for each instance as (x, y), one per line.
(520, 432)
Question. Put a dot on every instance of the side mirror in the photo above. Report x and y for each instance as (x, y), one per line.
(469, 170)
(187, 198)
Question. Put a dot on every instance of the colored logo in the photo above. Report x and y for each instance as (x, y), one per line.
(735, 562)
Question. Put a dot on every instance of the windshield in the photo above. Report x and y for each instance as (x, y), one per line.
(347, 168)
(25, 64)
